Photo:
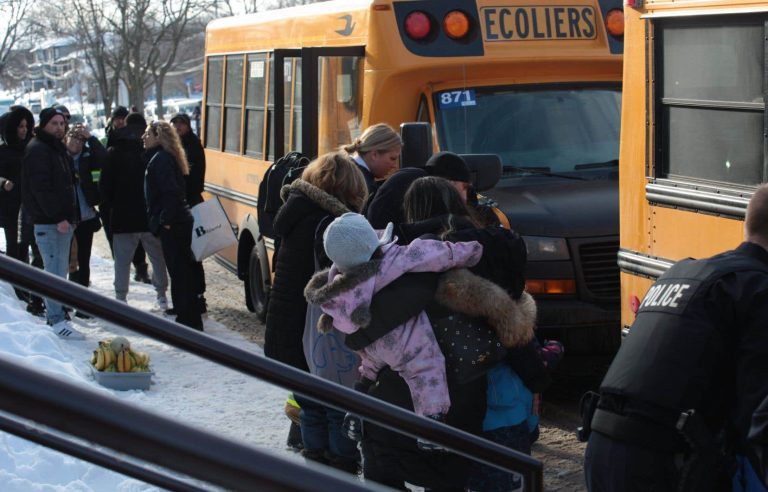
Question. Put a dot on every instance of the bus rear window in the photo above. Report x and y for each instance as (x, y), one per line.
(557, 130)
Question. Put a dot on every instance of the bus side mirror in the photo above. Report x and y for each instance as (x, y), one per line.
(485, 170)
(417, 144)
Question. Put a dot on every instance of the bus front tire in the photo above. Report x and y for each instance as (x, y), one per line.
(256, 297)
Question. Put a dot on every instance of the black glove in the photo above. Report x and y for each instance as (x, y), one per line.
(352, 427)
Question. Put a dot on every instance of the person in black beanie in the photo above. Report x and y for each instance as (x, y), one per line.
(48, 194)
(451, 167)
(117, 121)
(454, 168)
(122, 189)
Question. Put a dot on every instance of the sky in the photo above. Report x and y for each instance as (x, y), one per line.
(225, 401)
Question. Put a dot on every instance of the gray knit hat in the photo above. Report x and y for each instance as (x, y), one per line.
(350, 240)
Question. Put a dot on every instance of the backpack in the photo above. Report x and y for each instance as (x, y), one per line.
(283, 172)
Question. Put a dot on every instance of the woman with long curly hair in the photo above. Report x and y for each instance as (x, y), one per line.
(170, 218)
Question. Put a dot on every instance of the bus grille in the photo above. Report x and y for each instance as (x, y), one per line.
(600, 267)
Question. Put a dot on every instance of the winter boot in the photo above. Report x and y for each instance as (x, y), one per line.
(295, 443)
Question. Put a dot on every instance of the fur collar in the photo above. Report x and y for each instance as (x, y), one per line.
(324, 200)
(464, 292)
(319, 290)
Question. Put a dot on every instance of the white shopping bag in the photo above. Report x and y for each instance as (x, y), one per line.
(212, 231)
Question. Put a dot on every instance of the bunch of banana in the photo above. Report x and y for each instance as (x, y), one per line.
(123, 360)
(103, 357)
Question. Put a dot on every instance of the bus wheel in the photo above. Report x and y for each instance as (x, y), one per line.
(254, 285)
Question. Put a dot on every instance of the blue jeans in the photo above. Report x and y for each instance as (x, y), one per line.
(486, 478)
(54, 248)
(321, 431)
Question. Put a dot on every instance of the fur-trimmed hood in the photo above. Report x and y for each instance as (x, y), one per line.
(467, 293)
(459, 290)
(302, 199)
(323, 199)
(320, 290)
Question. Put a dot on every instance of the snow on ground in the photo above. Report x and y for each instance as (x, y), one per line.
(185, 387)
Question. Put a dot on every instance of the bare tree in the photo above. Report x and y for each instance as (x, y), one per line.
(235, 7)
(175, 22)
(16, 26)
(133, 27)
(229, 8)
(150, 33)
(102, 49)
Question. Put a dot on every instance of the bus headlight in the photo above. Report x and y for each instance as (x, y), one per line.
(542, 248)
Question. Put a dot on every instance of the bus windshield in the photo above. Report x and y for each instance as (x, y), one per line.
(551, 130)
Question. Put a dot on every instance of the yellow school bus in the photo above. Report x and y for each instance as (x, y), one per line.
(693, 133)
(538, 83)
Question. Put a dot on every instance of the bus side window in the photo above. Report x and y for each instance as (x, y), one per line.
(233, 103)
(710, 105)
(255, 100)
(213, 102)
(268, 133)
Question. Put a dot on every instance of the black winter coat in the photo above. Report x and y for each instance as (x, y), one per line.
(48, 182)
(164, 190)
(92, 159)
(11, 157)
(296, 224)
(504, 252)
(122, 182)
(195, 181)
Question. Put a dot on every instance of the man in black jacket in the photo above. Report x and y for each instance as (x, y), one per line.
(678, 397)
(194, 182)
(48, 194)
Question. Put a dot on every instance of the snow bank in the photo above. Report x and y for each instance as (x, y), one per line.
(185, 387)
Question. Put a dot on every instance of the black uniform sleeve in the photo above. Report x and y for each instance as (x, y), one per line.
(750, 291)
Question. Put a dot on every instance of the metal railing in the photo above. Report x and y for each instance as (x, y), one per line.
(202, 345)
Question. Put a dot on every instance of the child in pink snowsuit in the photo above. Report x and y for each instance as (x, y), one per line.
(357, 274)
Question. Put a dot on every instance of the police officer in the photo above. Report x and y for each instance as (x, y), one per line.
(676, 403)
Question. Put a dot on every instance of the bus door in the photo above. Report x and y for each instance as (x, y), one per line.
(321, 97)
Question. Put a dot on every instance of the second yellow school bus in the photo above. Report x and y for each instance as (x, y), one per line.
(694, 144)
(538, 83)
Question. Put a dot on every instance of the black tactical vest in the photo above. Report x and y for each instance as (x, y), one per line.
(681, 341)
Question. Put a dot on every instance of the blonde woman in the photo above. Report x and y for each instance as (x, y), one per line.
(330, 186)
(169, 217)
(376, 152)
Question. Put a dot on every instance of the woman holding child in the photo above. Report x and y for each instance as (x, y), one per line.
(433, 208)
